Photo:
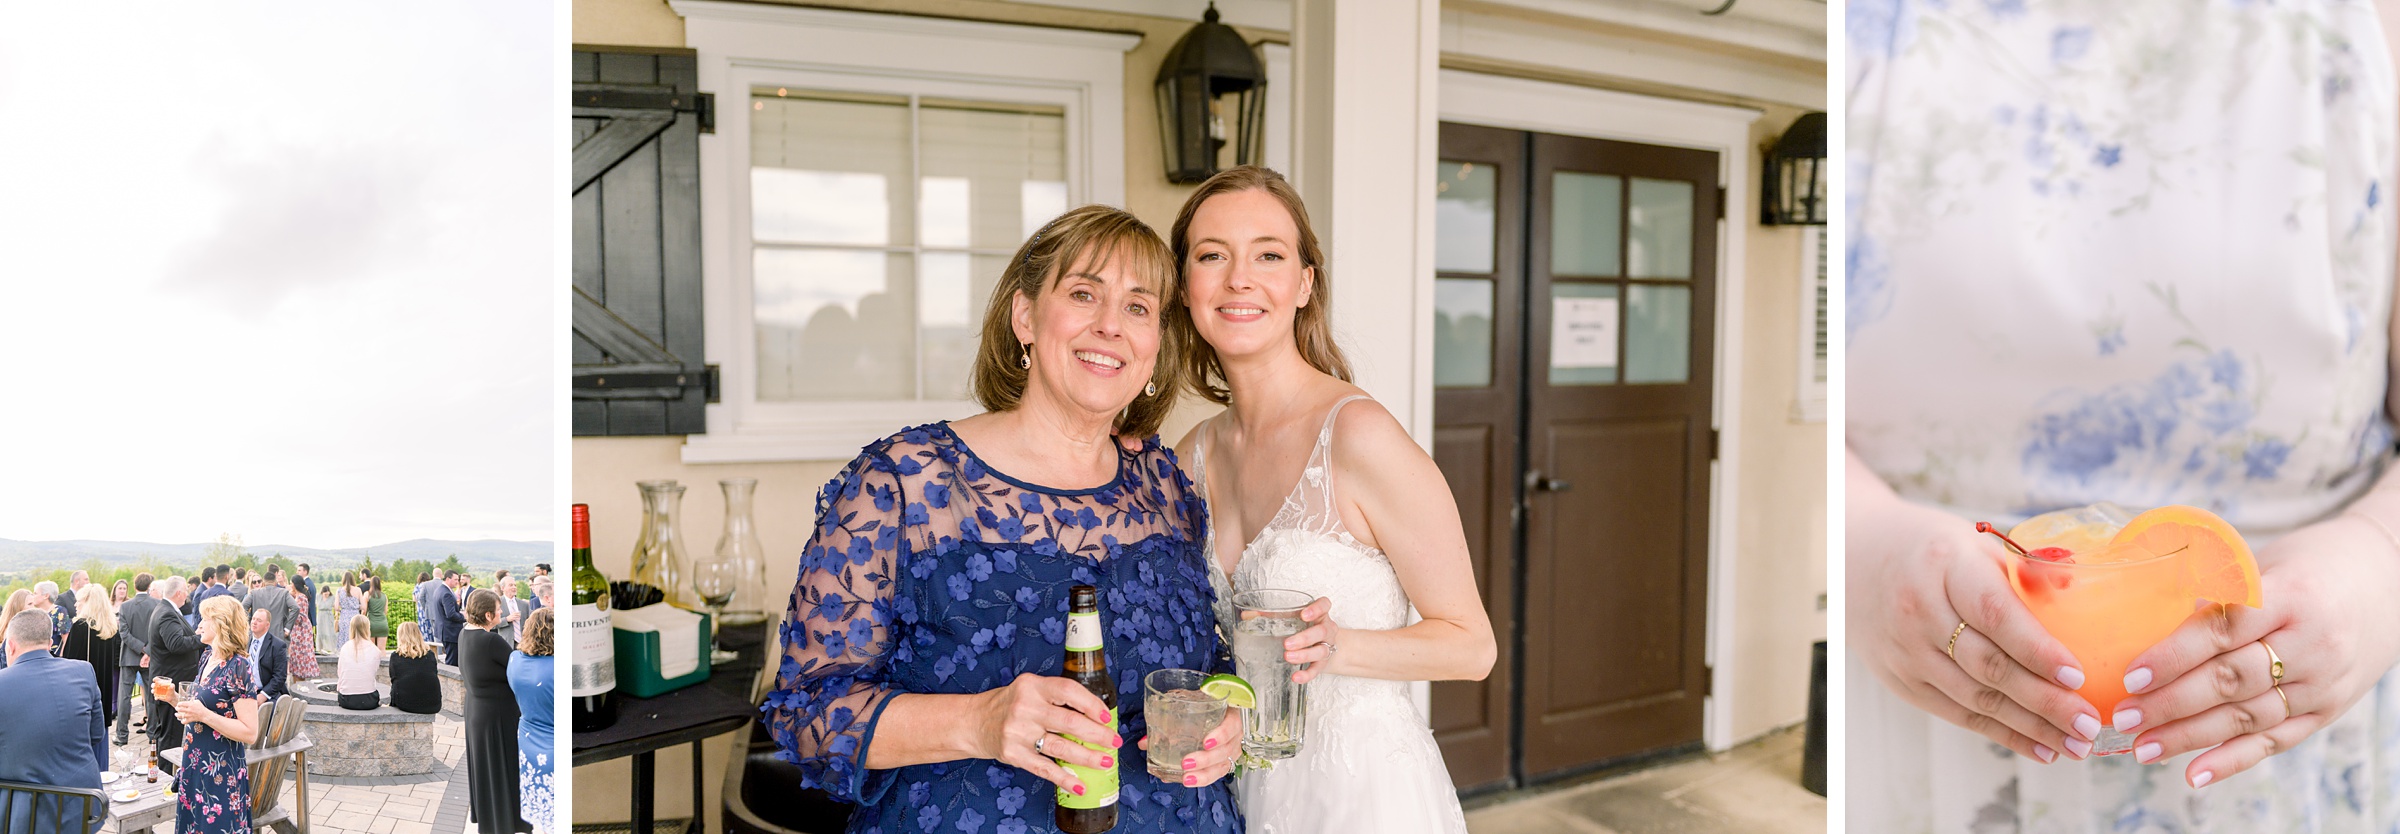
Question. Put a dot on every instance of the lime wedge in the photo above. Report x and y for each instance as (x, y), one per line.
(1236, 692)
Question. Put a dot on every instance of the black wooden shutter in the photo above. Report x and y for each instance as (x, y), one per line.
(639, 354)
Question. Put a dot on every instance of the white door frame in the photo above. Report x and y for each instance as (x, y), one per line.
(1547, 107)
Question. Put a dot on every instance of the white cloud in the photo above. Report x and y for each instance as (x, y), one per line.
(287, 272)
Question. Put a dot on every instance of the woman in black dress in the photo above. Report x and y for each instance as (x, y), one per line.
(92, 638)
(416, 682)
(492, 798)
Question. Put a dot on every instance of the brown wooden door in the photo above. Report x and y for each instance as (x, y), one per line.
(1478, 394)
(1589, 525)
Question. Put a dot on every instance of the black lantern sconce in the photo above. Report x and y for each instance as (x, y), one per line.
(1194, 121)
(1795, 172)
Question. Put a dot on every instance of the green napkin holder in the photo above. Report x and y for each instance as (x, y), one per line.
(637, 662)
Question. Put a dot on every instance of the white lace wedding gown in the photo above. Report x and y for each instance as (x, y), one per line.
(1367, 761)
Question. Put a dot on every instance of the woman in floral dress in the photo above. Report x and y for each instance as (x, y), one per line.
(302, 640)
(922, 656)
(221, 720)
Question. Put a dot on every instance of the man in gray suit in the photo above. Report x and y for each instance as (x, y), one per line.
(274, 599)
(133, 661)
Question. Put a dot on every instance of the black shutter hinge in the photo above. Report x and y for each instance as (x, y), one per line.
(1721, 191)
(705, 106)
(1708, 680)
(1715, 437)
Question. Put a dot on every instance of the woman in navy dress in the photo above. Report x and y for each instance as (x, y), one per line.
(922, 654)
(221, 720)
(529, 675)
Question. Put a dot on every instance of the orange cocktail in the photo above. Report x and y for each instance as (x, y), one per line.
(2110, 593)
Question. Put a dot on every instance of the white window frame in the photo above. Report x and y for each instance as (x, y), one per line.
(1809, 406)
(742, 45)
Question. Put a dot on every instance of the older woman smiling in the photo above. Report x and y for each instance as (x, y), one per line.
(920, 677)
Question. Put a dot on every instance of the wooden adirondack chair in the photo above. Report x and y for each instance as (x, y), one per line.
(278, 752)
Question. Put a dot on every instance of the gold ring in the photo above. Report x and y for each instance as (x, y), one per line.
(2274, 663)
(2287, 702)
(1952, 649)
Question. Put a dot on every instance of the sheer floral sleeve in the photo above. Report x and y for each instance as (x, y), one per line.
(835, 678)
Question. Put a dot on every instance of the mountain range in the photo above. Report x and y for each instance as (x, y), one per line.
(479, 555)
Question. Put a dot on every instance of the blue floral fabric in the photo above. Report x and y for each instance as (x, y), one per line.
(930, 572)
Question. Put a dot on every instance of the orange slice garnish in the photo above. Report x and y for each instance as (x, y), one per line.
(2218, 563)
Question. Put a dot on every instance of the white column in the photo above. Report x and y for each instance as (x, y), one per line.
(1364, 134)
(1365, 125)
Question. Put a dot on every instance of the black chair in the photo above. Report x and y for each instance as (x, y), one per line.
(763, 795)
(92, 802)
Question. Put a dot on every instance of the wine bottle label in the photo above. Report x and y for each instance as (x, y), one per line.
(1083, 632)
(1099, 784)
(595, 669)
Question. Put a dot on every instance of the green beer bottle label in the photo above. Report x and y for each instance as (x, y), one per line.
(1099, 784)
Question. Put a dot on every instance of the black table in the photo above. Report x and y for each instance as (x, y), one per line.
(690, 715)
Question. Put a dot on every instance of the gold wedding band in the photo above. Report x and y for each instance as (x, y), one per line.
(2287, 702)
(1952, 649)
(2274, 663)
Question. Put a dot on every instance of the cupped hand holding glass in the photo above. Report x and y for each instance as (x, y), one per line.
(1915, 574)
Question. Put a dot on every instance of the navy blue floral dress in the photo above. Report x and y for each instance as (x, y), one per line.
(931, 573)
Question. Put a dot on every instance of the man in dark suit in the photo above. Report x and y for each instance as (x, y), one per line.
(133, 676)
(308, 588)
(174, 655)
(66, 599)
(448, 617)
(269, 656)
(55, 734)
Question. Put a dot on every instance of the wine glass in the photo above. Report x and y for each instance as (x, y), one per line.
(715, 580)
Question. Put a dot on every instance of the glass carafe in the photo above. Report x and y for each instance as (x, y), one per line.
(658, 559)
(739, 546)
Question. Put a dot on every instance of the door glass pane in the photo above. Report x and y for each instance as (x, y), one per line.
(1583, 334)
(1658, 334)
(979, 157)
(1586, 218)
(1462, 332)
(1660, 222)
(829, 170)
(834, 325)
(1465, 218)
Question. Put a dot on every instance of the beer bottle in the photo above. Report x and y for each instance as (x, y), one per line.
(1096, 810)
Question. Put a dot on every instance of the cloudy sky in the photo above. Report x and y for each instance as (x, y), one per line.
(286, 271)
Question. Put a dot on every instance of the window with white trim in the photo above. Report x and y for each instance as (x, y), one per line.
(870, 176)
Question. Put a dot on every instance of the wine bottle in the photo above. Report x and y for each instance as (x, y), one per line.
(595, 666)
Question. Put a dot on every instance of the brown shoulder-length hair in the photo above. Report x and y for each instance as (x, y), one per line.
(1088, 235)
(1312, 326)
(536, 636)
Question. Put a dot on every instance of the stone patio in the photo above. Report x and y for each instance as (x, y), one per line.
(1751, 788)
(433, 802)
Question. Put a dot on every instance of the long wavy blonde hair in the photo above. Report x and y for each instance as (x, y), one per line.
(92, 605)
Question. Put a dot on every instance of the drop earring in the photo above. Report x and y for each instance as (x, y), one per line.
(1150, 389)
(1025, 360)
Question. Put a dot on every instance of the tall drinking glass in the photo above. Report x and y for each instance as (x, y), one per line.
(1263, 619)
(1180, 716)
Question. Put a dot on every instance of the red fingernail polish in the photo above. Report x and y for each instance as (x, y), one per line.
(1208, 744)
(1078, 790)
(1191, 781)
(1116, 741)
(1108, 761)
(1191, 764)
